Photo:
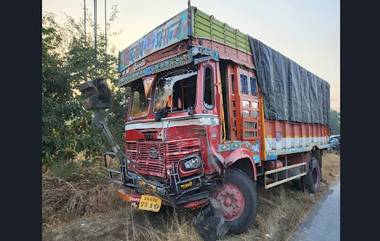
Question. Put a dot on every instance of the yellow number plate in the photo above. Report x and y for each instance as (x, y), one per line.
(150, 203)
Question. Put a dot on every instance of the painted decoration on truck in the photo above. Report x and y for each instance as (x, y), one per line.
(197, 54)
(233, 145)
(201, 54)
(288, 145)
(203, 51)
(172, 31)
(171, 63)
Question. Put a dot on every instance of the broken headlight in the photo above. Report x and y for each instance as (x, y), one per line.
(191, 163)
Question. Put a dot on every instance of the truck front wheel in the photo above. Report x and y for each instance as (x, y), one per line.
(238, 199)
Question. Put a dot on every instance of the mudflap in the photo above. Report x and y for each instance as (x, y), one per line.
(210, 222)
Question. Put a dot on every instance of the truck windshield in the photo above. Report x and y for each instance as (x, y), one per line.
(139, 102)
(176, 92)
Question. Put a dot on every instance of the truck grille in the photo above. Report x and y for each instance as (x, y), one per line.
(151, 157)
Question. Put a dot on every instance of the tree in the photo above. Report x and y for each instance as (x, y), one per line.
(334, 122)
(67, 61)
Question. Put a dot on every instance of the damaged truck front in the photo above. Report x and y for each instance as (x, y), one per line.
(207, 117)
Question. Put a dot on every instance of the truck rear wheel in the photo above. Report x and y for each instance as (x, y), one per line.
(238, 199)
(313, 176)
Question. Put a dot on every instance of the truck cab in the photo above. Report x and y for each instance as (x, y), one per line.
(187, 125)
(194, 109)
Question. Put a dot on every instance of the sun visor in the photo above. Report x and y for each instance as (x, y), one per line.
(148, 83)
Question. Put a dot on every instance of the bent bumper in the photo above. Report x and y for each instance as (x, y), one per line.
(128, 197)
(193, 201)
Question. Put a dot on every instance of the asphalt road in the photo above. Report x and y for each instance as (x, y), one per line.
(323, 223)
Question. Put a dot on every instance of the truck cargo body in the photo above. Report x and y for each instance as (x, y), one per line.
(205, 98)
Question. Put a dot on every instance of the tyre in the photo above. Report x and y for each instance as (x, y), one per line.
(238, 199)
(313, 176)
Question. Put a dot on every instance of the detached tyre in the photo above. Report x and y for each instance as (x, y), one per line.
(313, 176)
(238, 199)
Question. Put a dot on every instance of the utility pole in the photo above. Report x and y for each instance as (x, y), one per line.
(84, 20)
(95, 34)
(85, 35)
(105, 31)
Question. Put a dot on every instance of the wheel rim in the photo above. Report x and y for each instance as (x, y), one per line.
(231, 200)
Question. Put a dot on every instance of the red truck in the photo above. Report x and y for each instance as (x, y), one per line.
(211, 113)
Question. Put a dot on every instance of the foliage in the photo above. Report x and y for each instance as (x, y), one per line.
(67, 61)
(334, 122)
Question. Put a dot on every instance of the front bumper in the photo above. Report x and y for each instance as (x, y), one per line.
(191, 201)
(188, 192)
(128, 197)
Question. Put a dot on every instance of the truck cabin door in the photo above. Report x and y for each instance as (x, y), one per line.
(249, 124)
(208, 87)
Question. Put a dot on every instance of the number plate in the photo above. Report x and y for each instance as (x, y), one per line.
(150, 203)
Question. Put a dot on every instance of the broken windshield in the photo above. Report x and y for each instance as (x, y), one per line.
(139, 102)
(176, 92)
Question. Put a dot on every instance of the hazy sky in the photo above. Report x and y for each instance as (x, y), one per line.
(307, 31)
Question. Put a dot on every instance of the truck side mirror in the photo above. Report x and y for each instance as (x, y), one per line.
(96, 93)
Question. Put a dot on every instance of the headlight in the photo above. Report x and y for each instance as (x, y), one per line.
(193, 162)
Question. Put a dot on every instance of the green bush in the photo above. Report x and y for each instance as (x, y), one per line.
(334, 122)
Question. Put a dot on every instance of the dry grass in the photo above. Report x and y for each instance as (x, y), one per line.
(280, 211)
(331, 167)
(63, 201)
(126, 224)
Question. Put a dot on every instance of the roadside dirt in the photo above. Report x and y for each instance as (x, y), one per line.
(280, 211)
